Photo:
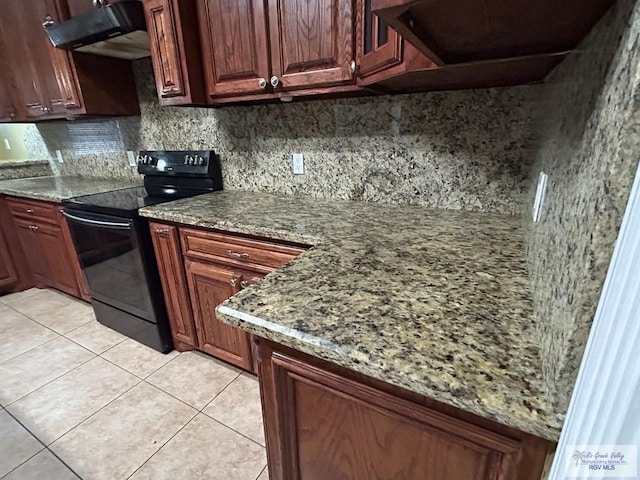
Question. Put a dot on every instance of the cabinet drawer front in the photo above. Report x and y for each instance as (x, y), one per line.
(235, 251)
(32, 210)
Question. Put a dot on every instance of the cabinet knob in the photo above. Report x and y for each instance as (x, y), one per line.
(262, 83)
(161, 231)
(244, 284)
(29, 210)
(48, 21)
(98, 3)
(47, 109)
(33, 227)
(233, 282)
(275, 81)
(352, 66)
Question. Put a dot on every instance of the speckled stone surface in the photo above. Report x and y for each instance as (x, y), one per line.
(435, 301)
(10, 169)
(589, 145)
(56, 189)
(459, 150)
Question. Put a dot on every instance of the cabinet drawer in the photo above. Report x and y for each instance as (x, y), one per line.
(32, 210)
(235, 250)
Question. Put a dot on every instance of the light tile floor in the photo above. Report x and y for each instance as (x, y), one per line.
(78, 400)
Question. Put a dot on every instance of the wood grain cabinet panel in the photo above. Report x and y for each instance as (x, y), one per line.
(8, 271)
(209, 286)
(47, 245)
(325, 422)
(235, 46)
(312, 42)
(175, 51)
(166, 244)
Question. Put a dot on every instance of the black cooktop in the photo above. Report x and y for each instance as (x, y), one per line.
(121, 203)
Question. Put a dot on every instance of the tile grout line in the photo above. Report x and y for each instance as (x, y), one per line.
(262, 471)
(45, 447)
(162, 446)
(31, 349)
(50, 381)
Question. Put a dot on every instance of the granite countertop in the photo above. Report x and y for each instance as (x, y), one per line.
(56, 189)
(434, 301)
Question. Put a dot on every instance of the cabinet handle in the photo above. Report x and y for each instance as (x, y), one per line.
(244, 284)
(47, 109)
(233, 254)
(48, 21)
(98, 3)
(29, 210)
(161, 231)
(262, 83)
(275, 81)
(33, 228)
(352, 66)
(233, 282)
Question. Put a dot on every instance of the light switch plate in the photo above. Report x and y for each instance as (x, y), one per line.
(132, 158)
(59, 156)
(298, 164)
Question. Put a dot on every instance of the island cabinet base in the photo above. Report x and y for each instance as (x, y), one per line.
(326, 422)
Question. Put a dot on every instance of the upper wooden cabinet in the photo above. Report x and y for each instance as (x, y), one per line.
(55, 83)
(268, 49)
(312, 43)
(235, 47)
(175, 51)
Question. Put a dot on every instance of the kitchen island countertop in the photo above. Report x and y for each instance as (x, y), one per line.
(434, 301)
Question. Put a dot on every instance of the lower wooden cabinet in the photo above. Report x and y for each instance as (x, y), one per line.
(326, 422)
(199, 270)
(8, 271)
(209, 286)
(48, 249)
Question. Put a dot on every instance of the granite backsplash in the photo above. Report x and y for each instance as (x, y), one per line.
(589, 145)
(12, 169)
(457, 150)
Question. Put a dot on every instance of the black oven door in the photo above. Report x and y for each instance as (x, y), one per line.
(110, 253)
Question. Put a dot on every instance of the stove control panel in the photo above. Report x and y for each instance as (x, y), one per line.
(200, 163)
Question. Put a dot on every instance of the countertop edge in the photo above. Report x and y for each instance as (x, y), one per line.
(327, 351)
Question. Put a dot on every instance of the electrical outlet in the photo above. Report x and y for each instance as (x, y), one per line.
(7, 144)
(132, 159)
(59, 156)
(298, 164)
(540, 195)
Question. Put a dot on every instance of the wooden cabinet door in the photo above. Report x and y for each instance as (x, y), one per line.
(321, 425)
(209, 286)
(33, 252)
(45, 94)
(166, 244)
(234, 46)
(60, 265)
(312, 42)
(163, 37)
(378, 45)
(8, 272)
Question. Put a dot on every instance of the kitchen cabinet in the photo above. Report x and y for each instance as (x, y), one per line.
(8, 271)
(209, 286)
(278, 48)
(460, 44)
(166, 243)
(47, 246)
(199, 270)
(55, 83)
(175, 51)
(324, 421)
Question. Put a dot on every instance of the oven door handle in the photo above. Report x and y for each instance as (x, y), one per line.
(98, 223)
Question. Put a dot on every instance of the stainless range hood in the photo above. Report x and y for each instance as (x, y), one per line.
(116, 30)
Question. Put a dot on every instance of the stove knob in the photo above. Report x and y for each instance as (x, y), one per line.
(192, 161)
(186, 159)
(139, 158)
